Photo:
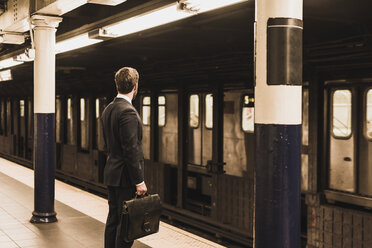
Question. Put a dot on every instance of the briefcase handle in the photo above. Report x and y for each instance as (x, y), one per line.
(141, 196)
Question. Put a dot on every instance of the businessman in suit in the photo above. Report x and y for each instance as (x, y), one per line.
(124, 170)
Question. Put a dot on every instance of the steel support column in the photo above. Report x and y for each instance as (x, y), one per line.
(278, 100)
(44, 117)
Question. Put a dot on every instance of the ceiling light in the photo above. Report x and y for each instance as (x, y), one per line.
(6, 75)
(9, 62)
(74, 43)
(146, 21)
(164, 15)
(107, 2)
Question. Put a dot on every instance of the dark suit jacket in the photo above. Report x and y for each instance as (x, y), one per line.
(122, 130)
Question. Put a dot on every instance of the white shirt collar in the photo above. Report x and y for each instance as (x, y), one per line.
(124, 97)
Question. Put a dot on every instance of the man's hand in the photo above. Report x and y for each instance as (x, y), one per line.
(141, 189)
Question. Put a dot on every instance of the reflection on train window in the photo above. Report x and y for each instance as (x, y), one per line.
(248, 114)
(58, 120)
(99, 142)
(22, 108)
(146, 110)
(369, 115)
(341, 121)
(70, 123)
(161, 113)
(84, 121)
(194, 111)
(209, 111)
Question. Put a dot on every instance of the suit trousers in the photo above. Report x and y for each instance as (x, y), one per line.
(116, 197)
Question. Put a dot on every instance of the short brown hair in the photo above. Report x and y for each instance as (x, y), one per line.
(125, 79)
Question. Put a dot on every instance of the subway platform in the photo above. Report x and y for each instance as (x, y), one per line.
(81, 218)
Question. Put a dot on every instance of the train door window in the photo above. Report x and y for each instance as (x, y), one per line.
(168, 131)
(305, 140)
(99, 132)
(368, 125)
(70, 122)
(194, 111)
(342, 157)
(209, 111)
(58, 120)
(84, 124)
(161, 111)
(341, 113)
(146, 120)
(248, 114)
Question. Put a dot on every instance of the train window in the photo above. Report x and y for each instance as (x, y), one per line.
(305, 140)
(369, 115)
(22, 108)
(248, 114)
(146, 115)
(69, 109)
(70, 123)
(161, 113)
(209, 111)
(194, 111)
(84, 121)
(58, 120)
(98, 112)
(146, 110)
(341, 110)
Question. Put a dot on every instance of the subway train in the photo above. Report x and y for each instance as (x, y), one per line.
(196, 101)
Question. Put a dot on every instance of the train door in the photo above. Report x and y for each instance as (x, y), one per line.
(350, 138)
(342, 139)
(199, 152)
(168, 142)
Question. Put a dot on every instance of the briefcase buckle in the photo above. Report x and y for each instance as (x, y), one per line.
(146, 227)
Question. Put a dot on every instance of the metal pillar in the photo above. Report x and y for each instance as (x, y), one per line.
(44, 117)
(278, 100)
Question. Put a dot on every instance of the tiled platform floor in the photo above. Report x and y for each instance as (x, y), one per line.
(81, 217)
(73, 229)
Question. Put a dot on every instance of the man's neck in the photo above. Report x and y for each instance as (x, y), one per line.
(127, 97)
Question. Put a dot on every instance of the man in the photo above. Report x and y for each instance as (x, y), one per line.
(123, 174)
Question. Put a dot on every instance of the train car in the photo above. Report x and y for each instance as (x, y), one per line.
(196, 102)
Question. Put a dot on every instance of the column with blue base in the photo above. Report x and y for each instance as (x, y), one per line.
(278, 100)
(44, 117)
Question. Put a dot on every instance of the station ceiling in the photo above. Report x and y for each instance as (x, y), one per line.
(337, 33)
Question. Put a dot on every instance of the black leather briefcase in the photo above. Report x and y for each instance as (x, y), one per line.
(140, 217)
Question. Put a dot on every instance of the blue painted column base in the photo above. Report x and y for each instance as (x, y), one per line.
(278, 182)
(44, 163)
